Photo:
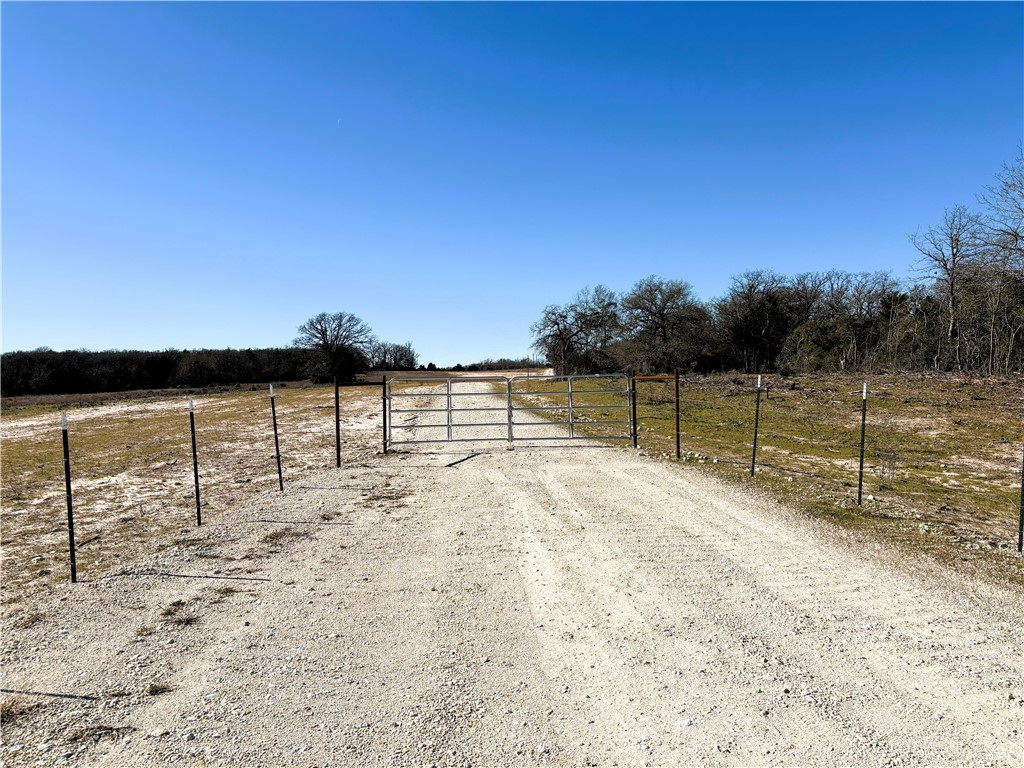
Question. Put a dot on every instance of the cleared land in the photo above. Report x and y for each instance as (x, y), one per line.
(131, 463)
(565, 606)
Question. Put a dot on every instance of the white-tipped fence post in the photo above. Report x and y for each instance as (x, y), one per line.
(277, 445)
(1020, 524)
(863, 425)
(195, 458)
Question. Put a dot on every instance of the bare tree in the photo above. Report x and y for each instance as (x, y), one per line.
(576, 337)
(557, 335)
(1005, 202)
(386, 355)
(947, 250)
(666, 323)
(341, 339)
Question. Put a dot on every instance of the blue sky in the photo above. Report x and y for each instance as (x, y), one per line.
(189, 175)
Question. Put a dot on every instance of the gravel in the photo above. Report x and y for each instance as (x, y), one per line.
(579, 605)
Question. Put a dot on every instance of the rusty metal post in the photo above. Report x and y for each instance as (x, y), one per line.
(195, 459)
(67, 489)
(277, 445)
(337, 423)
(678, 447)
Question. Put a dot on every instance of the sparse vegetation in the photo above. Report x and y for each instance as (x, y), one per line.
(281, 535)
(173, 609)
(941, 450)
(132, 470)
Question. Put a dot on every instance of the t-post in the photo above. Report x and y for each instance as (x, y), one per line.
(67, 489)
(277, 444)
(757, 421)
(1020, 525)
(195, 458)
(384, 411)
(863, 425)
(678, 454)
(337, 423)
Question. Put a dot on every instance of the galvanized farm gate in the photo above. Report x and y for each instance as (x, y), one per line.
(443, 415)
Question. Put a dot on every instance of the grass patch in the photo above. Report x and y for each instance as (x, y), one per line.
(173, 609)
(282, 535)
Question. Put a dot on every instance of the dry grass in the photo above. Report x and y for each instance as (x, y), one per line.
(131, 464)
(942, 458)
(279, 536)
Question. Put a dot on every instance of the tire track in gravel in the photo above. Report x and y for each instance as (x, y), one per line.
(672, 660)
(796, 580)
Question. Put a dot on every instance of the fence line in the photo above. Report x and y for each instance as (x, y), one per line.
(307, 430)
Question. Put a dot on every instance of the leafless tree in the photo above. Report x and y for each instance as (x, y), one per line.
(664, 319)
(385, 355)
(1005, 203)
(576, 337)
(342, 340)
(947, 249)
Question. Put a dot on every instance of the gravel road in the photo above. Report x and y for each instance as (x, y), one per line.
(573, 606)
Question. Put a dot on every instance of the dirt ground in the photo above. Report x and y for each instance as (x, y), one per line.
(475, 606)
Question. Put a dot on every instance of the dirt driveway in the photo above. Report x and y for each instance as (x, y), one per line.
(563, 606)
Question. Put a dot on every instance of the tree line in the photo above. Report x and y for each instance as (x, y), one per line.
(45, 372)
(965, 313)
(328, 345)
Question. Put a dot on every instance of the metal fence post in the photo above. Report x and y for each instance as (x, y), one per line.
(757, 421)
(632, 406)
(678, 451)
(448, 415)
(67, 488)
(863, 424)
(277, 444)
(508, 392)
(1020, 525)
(384, 410)
(195, 459)
(337, 423)
(569, 386)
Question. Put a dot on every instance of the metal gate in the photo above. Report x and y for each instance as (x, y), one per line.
(434, 410)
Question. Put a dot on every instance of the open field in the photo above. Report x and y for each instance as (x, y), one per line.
(131, 465)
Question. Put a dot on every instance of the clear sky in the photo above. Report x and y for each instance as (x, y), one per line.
(189, 175)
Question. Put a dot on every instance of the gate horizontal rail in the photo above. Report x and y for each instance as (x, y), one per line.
(515, 390)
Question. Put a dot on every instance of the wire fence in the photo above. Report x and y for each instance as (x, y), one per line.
(943, 451)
